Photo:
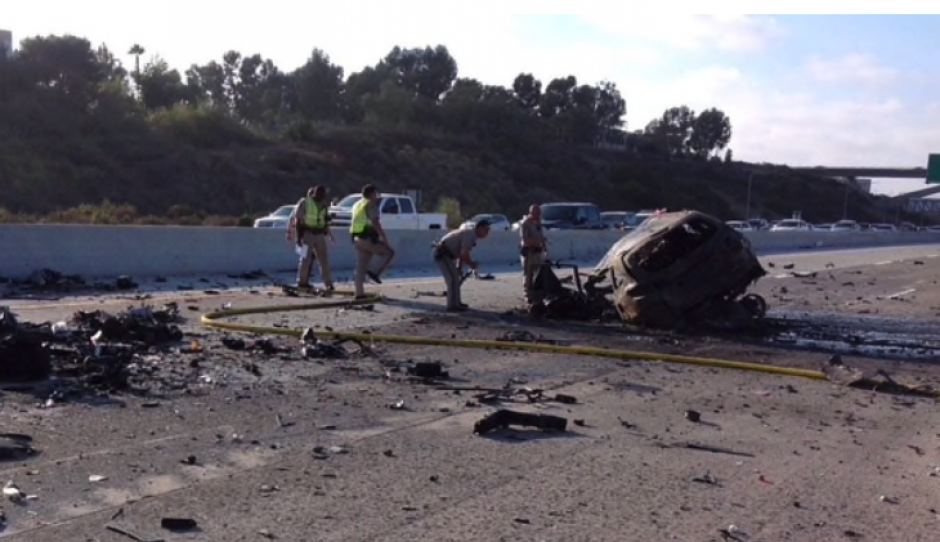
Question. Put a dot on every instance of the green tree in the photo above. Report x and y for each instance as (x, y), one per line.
(358, 86)
(672, 131)
(528, 91)
(207, 84)
(136, 51)
(161, 87)
(711, 132)
(317, 88)
(64, 66)
(557, 97)
(427, 73)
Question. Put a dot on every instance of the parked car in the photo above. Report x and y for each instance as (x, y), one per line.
(739, 225)
(497, 222)
(882, 227)
(616, 220)
(398, 212)
(845, 225)
(278, 219)
(638, 219)
(571, 216)
(758, 224)
(792, 224)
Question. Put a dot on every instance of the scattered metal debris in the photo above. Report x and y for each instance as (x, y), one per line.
(99, 349)
(551, 299)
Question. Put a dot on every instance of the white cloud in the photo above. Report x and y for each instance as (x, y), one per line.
(799, 129)
(851, 68)
(690, 32)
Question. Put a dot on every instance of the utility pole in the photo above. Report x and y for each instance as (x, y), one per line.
(747, 212)
(845, 203)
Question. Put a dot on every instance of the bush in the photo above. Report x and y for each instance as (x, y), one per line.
(205, 127)
(451, 208)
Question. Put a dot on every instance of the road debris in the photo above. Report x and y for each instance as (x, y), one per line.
(133, 535)
(504, 418)
(178, 524)
(16, 447)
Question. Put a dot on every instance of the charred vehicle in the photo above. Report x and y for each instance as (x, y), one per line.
(676, 269)
(682, 268)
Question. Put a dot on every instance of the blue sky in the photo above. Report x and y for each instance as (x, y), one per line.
(799, 89)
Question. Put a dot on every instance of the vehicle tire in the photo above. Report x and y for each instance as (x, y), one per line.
(755, 305)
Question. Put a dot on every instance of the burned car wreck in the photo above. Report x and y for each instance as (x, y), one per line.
(676, 270)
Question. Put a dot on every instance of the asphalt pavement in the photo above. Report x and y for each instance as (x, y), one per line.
(351, 450)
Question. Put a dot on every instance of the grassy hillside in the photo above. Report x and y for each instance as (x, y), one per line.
(162, 175)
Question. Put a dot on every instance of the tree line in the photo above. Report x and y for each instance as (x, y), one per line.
(417, 87)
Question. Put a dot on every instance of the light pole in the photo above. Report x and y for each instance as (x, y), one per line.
(747, 212)
(845, 203)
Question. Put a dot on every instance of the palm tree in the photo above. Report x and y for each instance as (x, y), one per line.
(136, 50)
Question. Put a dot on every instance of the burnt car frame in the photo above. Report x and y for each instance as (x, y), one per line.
(681, 268)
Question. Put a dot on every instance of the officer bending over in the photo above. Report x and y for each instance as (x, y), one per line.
(451, 253)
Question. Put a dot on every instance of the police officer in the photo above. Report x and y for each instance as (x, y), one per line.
(533, 248)
(369, 238)
(451, 253)
(312, 227)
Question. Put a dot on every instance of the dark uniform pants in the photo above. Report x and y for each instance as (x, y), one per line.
(451, 274)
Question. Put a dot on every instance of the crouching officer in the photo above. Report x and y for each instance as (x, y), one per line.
(312, 227)
(451, 253)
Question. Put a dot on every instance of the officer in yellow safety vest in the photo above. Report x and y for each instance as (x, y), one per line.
(312, 227)
(369, 238)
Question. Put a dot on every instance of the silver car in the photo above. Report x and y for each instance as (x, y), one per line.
(278, 219)
(497, 222)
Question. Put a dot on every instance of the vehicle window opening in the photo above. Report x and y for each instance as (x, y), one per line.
(674, 245)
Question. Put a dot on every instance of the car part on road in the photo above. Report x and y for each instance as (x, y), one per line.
(551, 299)
(504, 418)
(214, 320)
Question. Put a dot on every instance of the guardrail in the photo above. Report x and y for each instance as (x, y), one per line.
(180, 250)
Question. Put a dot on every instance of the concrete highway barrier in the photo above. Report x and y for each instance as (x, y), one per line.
(180, 250)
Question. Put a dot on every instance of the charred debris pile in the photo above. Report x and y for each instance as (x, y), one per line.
(99, 350)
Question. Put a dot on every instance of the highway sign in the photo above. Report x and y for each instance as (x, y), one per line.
(933, 169)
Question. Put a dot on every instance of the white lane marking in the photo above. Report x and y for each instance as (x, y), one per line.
(886, 262)
(900, 294)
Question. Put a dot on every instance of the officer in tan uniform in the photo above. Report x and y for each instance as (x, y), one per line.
(533, 248)
(369, 238)
(451, 253)
(312, 227)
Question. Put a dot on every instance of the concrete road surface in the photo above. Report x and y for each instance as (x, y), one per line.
(256, 447)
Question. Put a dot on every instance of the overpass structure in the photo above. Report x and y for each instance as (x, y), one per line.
(913, 201)
(873, 172)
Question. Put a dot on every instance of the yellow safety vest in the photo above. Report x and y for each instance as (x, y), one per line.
(315, 217)
(360, 220)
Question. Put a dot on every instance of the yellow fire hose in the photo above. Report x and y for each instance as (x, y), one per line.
(212, 320)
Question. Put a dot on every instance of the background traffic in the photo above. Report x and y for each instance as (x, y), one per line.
(399, 212)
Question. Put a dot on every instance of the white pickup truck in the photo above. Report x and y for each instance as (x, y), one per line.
(398, 212)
